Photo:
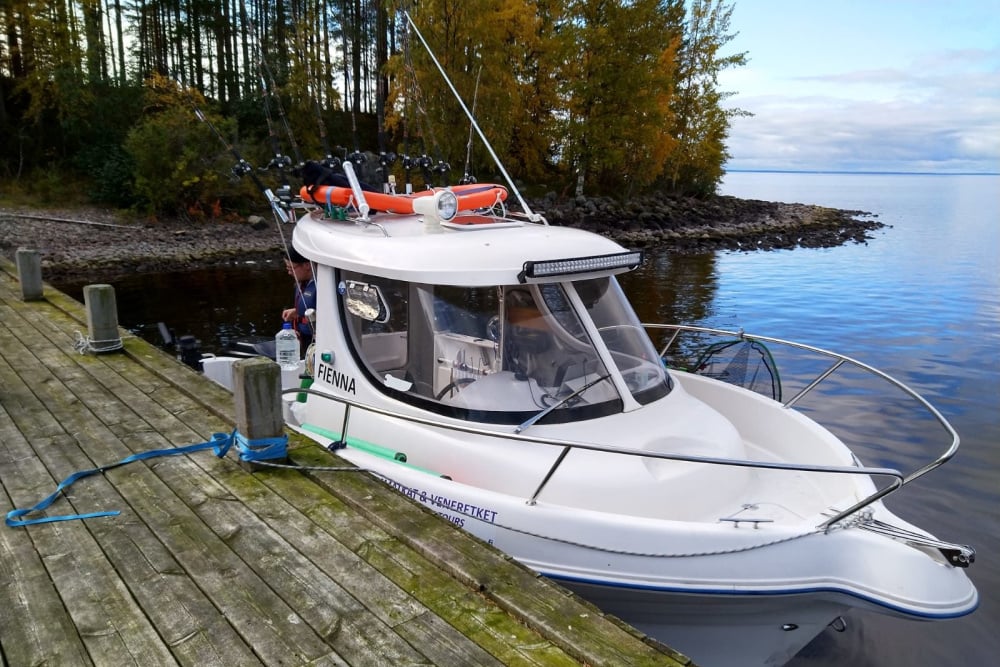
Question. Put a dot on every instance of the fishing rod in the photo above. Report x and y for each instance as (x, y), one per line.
(329, 160)
(423, 162)
(242, 167)
(534, 217)
(279, 161)
(356, 157)
(281, 107)
(280, 207)
(406, 160)
(467, 177)
(386, 160)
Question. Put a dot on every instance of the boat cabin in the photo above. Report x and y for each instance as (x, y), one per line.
(445, 319)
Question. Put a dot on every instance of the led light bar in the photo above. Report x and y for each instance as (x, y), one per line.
(574, 265)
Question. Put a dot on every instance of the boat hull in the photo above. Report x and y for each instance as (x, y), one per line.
(720, 630)
(721, 594)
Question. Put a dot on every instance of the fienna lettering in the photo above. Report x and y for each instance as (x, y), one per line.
(332, 376)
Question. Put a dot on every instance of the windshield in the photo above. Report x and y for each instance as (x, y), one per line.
(626, 338)
(500, 354)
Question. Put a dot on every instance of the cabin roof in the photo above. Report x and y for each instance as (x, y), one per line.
(404, 248)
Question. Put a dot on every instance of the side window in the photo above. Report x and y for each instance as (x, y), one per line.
(377, 317)
(500, 353)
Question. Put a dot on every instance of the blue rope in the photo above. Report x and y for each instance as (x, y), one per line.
(261, 449)
(250, 450)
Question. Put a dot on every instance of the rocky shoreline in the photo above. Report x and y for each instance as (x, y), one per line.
(694, 226)
(88, 244)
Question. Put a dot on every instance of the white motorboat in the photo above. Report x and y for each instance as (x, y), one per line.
(489, 366)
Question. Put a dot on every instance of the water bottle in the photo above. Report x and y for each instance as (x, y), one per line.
(286, 348)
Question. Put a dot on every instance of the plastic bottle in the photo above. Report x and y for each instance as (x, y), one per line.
(286, 348)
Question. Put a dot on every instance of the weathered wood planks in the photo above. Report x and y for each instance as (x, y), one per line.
(210, 565)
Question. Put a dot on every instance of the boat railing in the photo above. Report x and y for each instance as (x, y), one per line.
(896, 477)
(837, 361)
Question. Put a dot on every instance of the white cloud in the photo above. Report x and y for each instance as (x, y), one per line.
(940, 112)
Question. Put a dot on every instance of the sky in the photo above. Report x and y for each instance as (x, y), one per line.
(866, 85)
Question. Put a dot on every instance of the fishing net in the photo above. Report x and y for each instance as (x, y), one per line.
(743, 362)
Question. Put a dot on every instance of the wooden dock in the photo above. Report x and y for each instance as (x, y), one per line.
(208, 564)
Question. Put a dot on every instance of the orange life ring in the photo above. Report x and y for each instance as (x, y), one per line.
(470, 197)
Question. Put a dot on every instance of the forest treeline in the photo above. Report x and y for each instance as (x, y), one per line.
(596, 97)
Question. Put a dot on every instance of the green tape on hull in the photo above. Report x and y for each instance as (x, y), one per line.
(370, 448)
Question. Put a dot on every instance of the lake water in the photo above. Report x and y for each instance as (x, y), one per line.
(921, 301)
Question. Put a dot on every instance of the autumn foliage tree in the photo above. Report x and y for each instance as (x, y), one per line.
(597, 97)
(696, 164)
(617, 82)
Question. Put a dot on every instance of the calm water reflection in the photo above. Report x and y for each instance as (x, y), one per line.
(920, 301)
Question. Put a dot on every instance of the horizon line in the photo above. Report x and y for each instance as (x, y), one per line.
(866, 172)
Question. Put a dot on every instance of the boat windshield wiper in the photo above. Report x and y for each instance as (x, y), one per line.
(531, 421)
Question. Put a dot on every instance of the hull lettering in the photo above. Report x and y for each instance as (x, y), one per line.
(332, 376)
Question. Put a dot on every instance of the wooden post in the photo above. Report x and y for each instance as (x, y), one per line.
(102, 317)
(29, 272)
(257, 392)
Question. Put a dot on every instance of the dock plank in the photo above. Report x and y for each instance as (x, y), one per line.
(528, 649)
(231, 579)
(208, 564)
(27, 592)
(102, 609)
(124, 539)
(327, 609)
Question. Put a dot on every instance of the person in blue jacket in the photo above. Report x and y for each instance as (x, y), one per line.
(300, 268)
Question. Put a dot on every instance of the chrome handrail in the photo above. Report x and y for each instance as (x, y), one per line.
(897, 477)
(839, 360)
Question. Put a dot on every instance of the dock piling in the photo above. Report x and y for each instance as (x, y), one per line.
(257, 393)
(29, 273)
(102, 318)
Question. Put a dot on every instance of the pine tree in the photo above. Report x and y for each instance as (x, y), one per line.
(702, 125)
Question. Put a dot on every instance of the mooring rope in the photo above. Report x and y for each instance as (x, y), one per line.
(255, 450)
(623, 552)
(268, 451)
(84, 344)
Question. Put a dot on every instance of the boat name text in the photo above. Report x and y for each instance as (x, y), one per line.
(332, 376)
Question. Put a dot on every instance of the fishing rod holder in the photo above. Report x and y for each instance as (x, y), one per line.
(331, 162)
(242, 168)
(279, 162)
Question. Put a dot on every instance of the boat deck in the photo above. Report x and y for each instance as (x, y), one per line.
(209, 564)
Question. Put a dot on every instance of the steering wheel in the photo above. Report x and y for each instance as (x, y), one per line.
(454, 386)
